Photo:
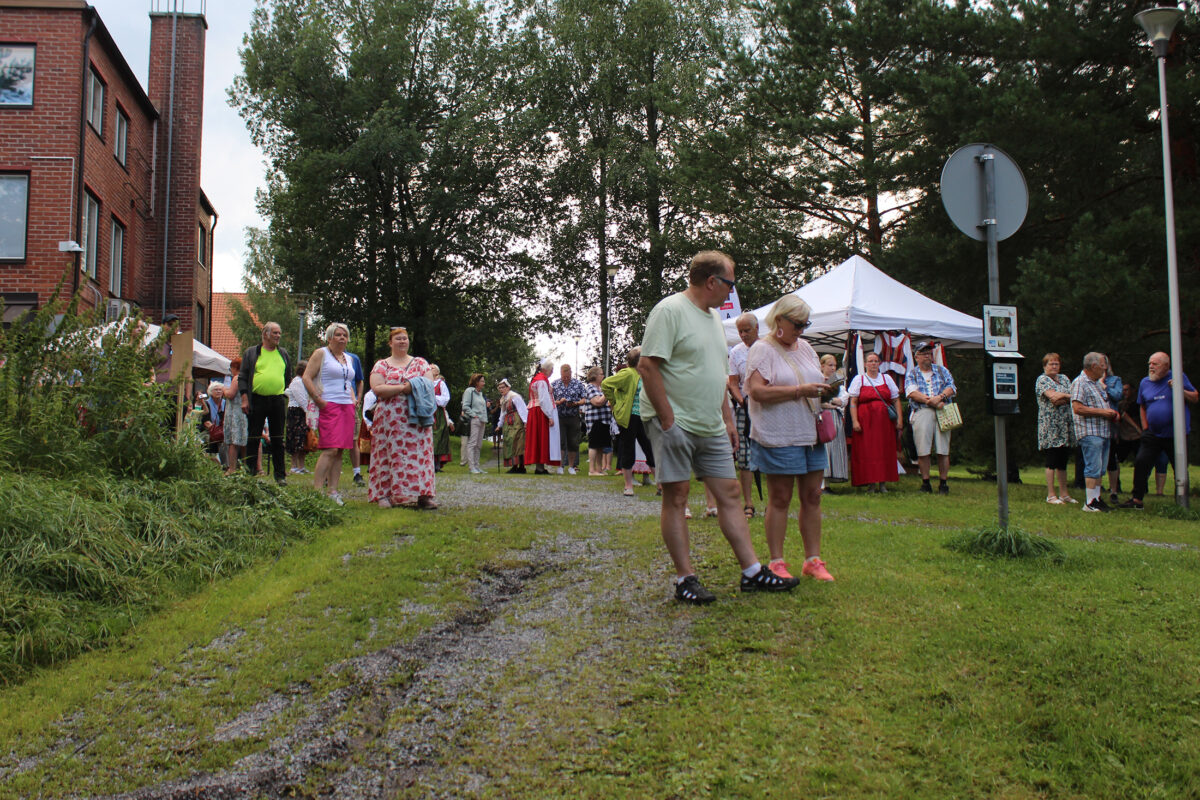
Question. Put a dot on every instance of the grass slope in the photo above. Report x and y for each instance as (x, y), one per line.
(920, 672)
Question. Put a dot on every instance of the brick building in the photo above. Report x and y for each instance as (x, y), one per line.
(100, 178)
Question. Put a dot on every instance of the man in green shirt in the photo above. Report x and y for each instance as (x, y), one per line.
(686, 410)
(266, 370)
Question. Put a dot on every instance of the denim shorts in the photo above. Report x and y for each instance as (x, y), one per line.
(1095, 455)
(677, 454)
(798, 460)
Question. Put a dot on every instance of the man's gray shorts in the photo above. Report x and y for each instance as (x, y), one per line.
(678, 454)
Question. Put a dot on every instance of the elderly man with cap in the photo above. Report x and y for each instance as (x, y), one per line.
(929, 387)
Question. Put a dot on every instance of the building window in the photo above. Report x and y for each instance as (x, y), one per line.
(16, 75)
(14, 215)
(116, 269)
(91, 233)
(201, 245)
(95, 103)
(120, 135)
(198, 328)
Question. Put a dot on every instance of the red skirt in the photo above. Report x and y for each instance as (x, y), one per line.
(873, 450)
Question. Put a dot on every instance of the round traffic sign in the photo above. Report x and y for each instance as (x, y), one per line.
(964, 191)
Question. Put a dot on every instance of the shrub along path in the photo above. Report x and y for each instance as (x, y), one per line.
(521, 642)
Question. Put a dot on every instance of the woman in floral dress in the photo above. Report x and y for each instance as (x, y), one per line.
(401, 454)
(1056, 428)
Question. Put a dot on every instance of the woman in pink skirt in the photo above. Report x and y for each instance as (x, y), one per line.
(401, 451)
(329, 380)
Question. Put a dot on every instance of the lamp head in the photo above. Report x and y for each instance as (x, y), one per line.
(1159, 23)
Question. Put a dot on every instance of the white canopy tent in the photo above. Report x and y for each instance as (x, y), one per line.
(206, 362)
(857, 296)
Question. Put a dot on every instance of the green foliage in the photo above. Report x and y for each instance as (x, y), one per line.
(104, 512)
(269, 299)
(1012, 541)
(1173, 511)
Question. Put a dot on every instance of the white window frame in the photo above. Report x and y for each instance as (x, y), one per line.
(120, 136)
(14, 255)
(116, 257)
(91, 234)
(95, 104)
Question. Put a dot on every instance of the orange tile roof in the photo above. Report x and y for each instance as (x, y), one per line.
(223, 339)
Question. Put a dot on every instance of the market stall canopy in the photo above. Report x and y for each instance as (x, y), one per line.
(206, 362)
(857, 296)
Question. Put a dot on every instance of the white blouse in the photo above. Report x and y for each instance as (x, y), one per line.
(787, 423)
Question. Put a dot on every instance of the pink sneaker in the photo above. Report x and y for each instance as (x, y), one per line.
(815, 568)
(780, 568)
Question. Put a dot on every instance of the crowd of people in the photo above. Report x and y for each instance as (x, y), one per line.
(683, 406)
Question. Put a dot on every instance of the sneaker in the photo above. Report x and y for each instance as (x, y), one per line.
(780, 568)
(571, 471)
(558, 471)
(337, 498)
(815, 568)
(1136, 505)
(767, 581)
(295, 470)
(1054, 501)
(1114, 498)
(1097, 505)
(281, 482)
(628, 493)
(1103, 505)
(476, 472)
(943, 488)
(926, 488)
(690, 590)
(358, 479)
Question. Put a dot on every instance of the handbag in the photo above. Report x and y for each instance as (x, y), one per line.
(312, 440)
(948, 417)
(891, 409)
(826, 425)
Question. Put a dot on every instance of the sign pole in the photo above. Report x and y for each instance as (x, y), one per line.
(987, 161)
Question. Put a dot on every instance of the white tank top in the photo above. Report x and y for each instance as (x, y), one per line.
(337, 379)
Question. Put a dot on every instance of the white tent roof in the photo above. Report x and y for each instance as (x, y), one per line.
(857, 296)
(204, 358)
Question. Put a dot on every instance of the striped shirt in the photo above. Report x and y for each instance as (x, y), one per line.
(1091, 394)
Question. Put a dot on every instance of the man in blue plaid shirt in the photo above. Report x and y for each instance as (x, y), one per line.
(928, 387)
(1093, 415)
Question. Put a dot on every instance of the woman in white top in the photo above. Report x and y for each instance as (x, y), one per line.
(784, 383)
(873, 445)
(297, 419)
(329, 379)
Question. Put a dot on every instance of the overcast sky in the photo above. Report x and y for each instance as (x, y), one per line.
(231, 167)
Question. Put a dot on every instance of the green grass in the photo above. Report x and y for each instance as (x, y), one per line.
(921, 672)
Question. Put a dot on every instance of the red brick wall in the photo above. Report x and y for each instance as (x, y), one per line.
(183, 279)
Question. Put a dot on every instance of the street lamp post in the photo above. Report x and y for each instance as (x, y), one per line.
(607, 333)
(1158, 24)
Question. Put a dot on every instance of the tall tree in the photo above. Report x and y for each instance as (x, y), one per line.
(403, 166)
(269, 299)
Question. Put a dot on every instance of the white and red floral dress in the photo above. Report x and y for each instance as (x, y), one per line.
(401, 454)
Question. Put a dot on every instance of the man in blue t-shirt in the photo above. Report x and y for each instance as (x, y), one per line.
(1158, 422)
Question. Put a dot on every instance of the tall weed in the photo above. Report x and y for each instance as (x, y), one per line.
(104, 512)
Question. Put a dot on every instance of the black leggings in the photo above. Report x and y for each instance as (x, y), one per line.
(635, 432)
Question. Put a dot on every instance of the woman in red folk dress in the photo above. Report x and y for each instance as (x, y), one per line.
(401, 454)
(873, 446)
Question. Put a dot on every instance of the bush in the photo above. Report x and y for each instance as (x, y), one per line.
(104, 513)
